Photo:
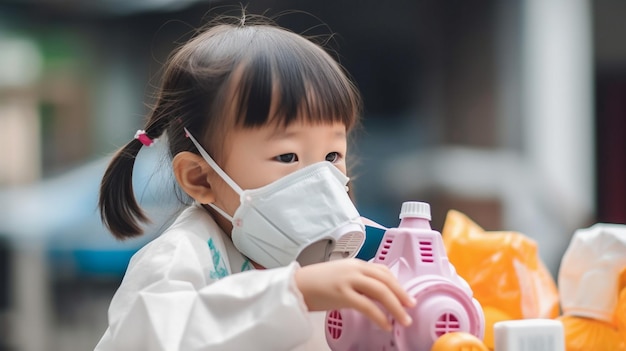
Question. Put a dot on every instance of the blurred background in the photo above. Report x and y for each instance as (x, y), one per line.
(511, 111)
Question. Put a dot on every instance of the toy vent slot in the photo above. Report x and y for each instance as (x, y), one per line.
(447, 323)
(385, 249)
(426, 251)
(334, 323)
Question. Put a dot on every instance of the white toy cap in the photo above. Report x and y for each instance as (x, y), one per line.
(414, 209)
(529, 334)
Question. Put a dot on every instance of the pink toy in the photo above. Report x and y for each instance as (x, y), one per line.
(416, 255)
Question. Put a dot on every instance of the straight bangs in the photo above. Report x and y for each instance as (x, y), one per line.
(286, 78)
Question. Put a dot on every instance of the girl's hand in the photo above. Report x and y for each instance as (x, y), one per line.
(357, 284)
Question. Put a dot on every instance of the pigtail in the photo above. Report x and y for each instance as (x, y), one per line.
(119, 210)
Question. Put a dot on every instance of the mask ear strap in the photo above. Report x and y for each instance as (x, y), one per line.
(214, 165)
(370, 223)
(222, 212)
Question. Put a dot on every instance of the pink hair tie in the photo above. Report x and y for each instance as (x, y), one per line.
(144, 138)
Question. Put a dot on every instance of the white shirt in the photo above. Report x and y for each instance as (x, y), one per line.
(180, 292)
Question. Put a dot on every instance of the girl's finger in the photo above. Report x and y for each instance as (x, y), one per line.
(379, 292)
(383, 274)
(366, 306)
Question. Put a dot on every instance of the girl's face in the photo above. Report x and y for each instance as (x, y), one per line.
(256, 157)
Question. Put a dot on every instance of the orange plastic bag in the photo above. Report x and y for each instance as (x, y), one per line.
(584, 334)
(504, 271)
(620, 311)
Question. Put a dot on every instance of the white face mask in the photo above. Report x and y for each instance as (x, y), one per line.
(305, 216)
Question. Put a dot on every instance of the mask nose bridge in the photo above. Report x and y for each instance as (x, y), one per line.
(214, 164)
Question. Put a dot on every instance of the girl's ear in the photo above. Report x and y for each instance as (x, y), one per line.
(192, 174)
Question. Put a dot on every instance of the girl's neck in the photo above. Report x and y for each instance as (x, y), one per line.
(256, 265)
(227, 227)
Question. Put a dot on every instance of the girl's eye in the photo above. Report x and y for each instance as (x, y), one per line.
(333, 157)
(287, 158)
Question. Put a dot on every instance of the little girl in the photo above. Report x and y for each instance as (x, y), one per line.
(256, 119)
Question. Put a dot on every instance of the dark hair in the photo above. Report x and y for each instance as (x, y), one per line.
(227, 76)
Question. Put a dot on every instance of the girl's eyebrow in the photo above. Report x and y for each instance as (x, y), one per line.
(340, 134)
(281, 133)
(284, 133)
